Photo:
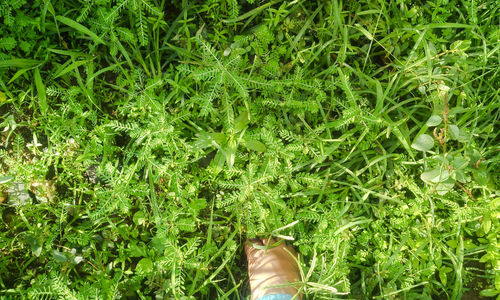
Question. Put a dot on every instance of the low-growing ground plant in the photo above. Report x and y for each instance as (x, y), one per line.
(143, 141)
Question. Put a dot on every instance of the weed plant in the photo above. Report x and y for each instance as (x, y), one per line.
(144, 140)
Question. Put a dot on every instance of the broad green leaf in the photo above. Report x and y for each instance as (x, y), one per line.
(219, 138)
(59, 256)
(434, 121)
(443, 277)
(2, 97)
(6, 179)
(480, 176)
(488, 256)
(454, 131)
(198, 204)
(459, 162)
(241, 122)
(445, 186)
(452, 243)
(423, 142)
(495, 203)
(218, 162)
(77, 259)
(488, 293)
(255, 145)
(435, 175)
(464, 136)
(486, 225)
(230, 153)
(461, 176)
(79, 27)
(206, 139)
(144, 266)
(35, 245)
(139, 218)
(135, 250)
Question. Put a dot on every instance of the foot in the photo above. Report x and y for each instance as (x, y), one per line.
(272, 268)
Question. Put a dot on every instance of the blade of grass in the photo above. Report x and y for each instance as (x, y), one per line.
(40, 87)
(82, 29)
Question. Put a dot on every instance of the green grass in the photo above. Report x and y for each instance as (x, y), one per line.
(143, 141)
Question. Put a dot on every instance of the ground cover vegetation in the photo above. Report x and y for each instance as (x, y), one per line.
(144, 140)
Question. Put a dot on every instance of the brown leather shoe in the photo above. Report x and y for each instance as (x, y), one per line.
(272, 267)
